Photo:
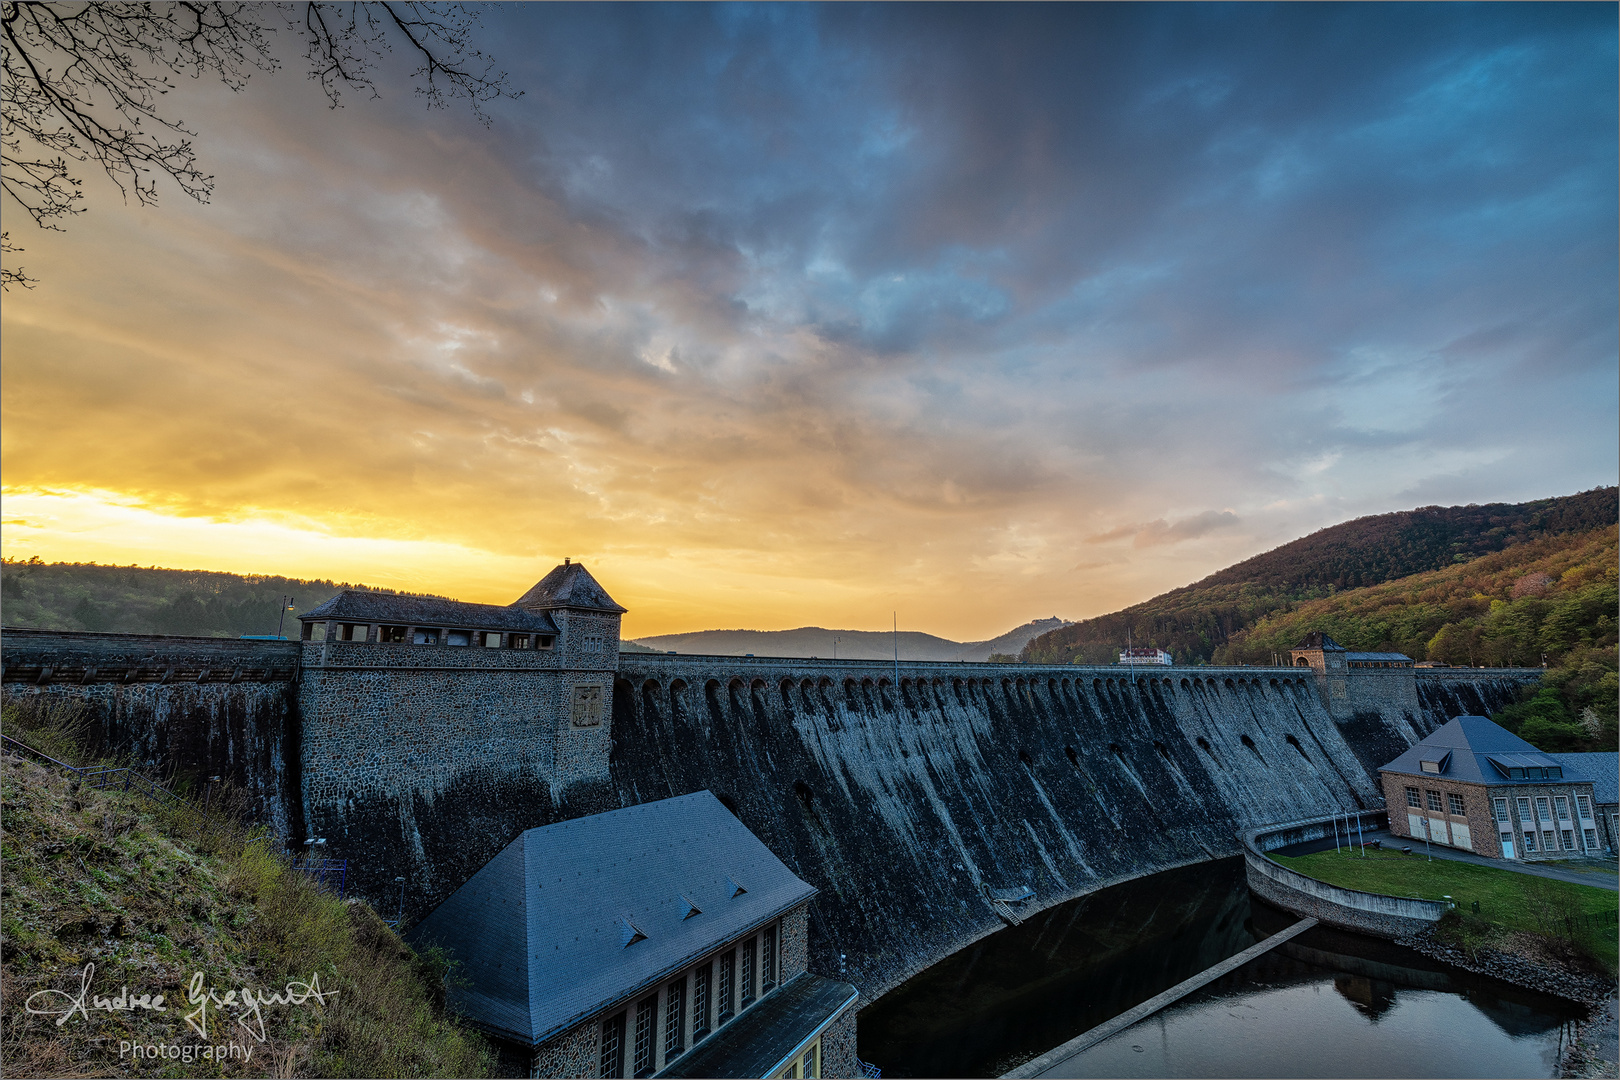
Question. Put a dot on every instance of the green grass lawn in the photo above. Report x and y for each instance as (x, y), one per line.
(1509, 900)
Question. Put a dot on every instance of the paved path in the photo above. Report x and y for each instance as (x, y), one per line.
(1055, 1057)
(1599, 872)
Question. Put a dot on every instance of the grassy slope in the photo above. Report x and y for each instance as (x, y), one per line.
(1508, 901)
(152, 895)
(1193, 622)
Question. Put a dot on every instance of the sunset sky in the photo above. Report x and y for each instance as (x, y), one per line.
(793, 315)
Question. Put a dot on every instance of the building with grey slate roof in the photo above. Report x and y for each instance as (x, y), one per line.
(1474, 785)
(659, 939)
(1603, 769)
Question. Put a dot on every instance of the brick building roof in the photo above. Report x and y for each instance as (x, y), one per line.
(1603, 769)
(1473, 748)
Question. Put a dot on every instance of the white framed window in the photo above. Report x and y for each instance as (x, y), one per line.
(1529, 841)
(1542, 810)
(1524, 809)
(1569, 840)
(1501, 811)
(1549, 840)
(1561, 804)
(1584, 806)
(1434, 801)
(1591, 839)
(1454, 804)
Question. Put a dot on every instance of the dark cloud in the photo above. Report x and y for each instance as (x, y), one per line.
(870, 294)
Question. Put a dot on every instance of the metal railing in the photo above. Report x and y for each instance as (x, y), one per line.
(105, 777)
(327, 873)
(868, 1070)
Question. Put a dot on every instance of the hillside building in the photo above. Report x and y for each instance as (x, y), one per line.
(1145, 656)
(663, 939)
(1477, 786)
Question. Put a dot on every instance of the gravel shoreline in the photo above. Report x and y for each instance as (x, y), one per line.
(1586, 1056)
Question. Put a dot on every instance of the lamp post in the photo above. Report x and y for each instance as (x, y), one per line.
(286, 606)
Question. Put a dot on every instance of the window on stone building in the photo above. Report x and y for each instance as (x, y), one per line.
(613, 1047)
(426, 635)
(1529, 841)
(352, 631)
(674, 1019)
(767, 960)
(1584, 805)
(1524, 810)
(1569, 839)
(517, 641)
(492, 639)
(392, 635)
(1501, 809)
(810, 1066)
(1454, 803)
(1507, 839)
(1549, 840)
(1591, 839)
(1412, 798)
(748, 972)
(458, 637)
(1434, 801)
(1561, 804)
(700, 1002)
(544, 641)
(726, 1002)
(1542, 811)
(646, 1023)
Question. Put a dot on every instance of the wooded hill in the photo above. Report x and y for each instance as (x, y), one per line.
(1196, 621)
(147, 600)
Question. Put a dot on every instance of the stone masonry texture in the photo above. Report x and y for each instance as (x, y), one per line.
(900, 805)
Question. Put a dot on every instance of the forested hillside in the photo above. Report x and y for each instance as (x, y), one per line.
(144, 600)
(1196, 621)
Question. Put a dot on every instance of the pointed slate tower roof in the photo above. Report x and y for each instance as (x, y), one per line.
(1316, 639)
(568, 586)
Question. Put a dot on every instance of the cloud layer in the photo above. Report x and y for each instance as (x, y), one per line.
(797, 314)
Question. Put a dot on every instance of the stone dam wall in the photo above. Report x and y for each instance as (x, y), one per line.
(902, 803)
(185, 708)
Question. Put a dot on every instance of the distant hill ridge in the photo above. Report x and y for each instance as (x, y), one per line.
(1197, 621)
(808, 641)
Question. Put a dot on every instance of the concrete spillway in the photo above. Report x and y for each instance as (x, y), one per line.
(905, 807)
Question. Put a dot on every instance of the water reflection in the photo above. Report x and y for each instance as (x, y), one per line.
(1326, 1008)
(1324, 1004)
(1025, 989)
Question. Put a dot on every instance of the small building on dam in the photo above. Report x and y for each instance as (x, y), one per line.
(432, 740)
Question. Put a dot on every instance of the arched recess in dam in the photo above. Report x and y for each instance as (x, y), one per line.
(905, 800)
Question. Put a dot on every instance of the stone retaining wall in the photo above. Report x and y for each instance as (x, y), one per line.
(1388, 917)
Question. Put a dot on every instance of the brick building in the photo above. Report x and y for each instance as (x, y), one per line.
(658, 940)
(1477, 786)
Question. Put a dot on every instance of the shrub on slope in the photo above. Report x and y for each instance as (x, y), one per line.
(151, 895)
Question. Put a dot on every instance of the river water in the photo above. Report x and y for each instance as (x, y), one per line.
(1326, 1004)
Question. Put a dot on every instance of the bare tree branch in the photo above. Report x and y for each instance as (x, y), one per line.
(84, 81)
